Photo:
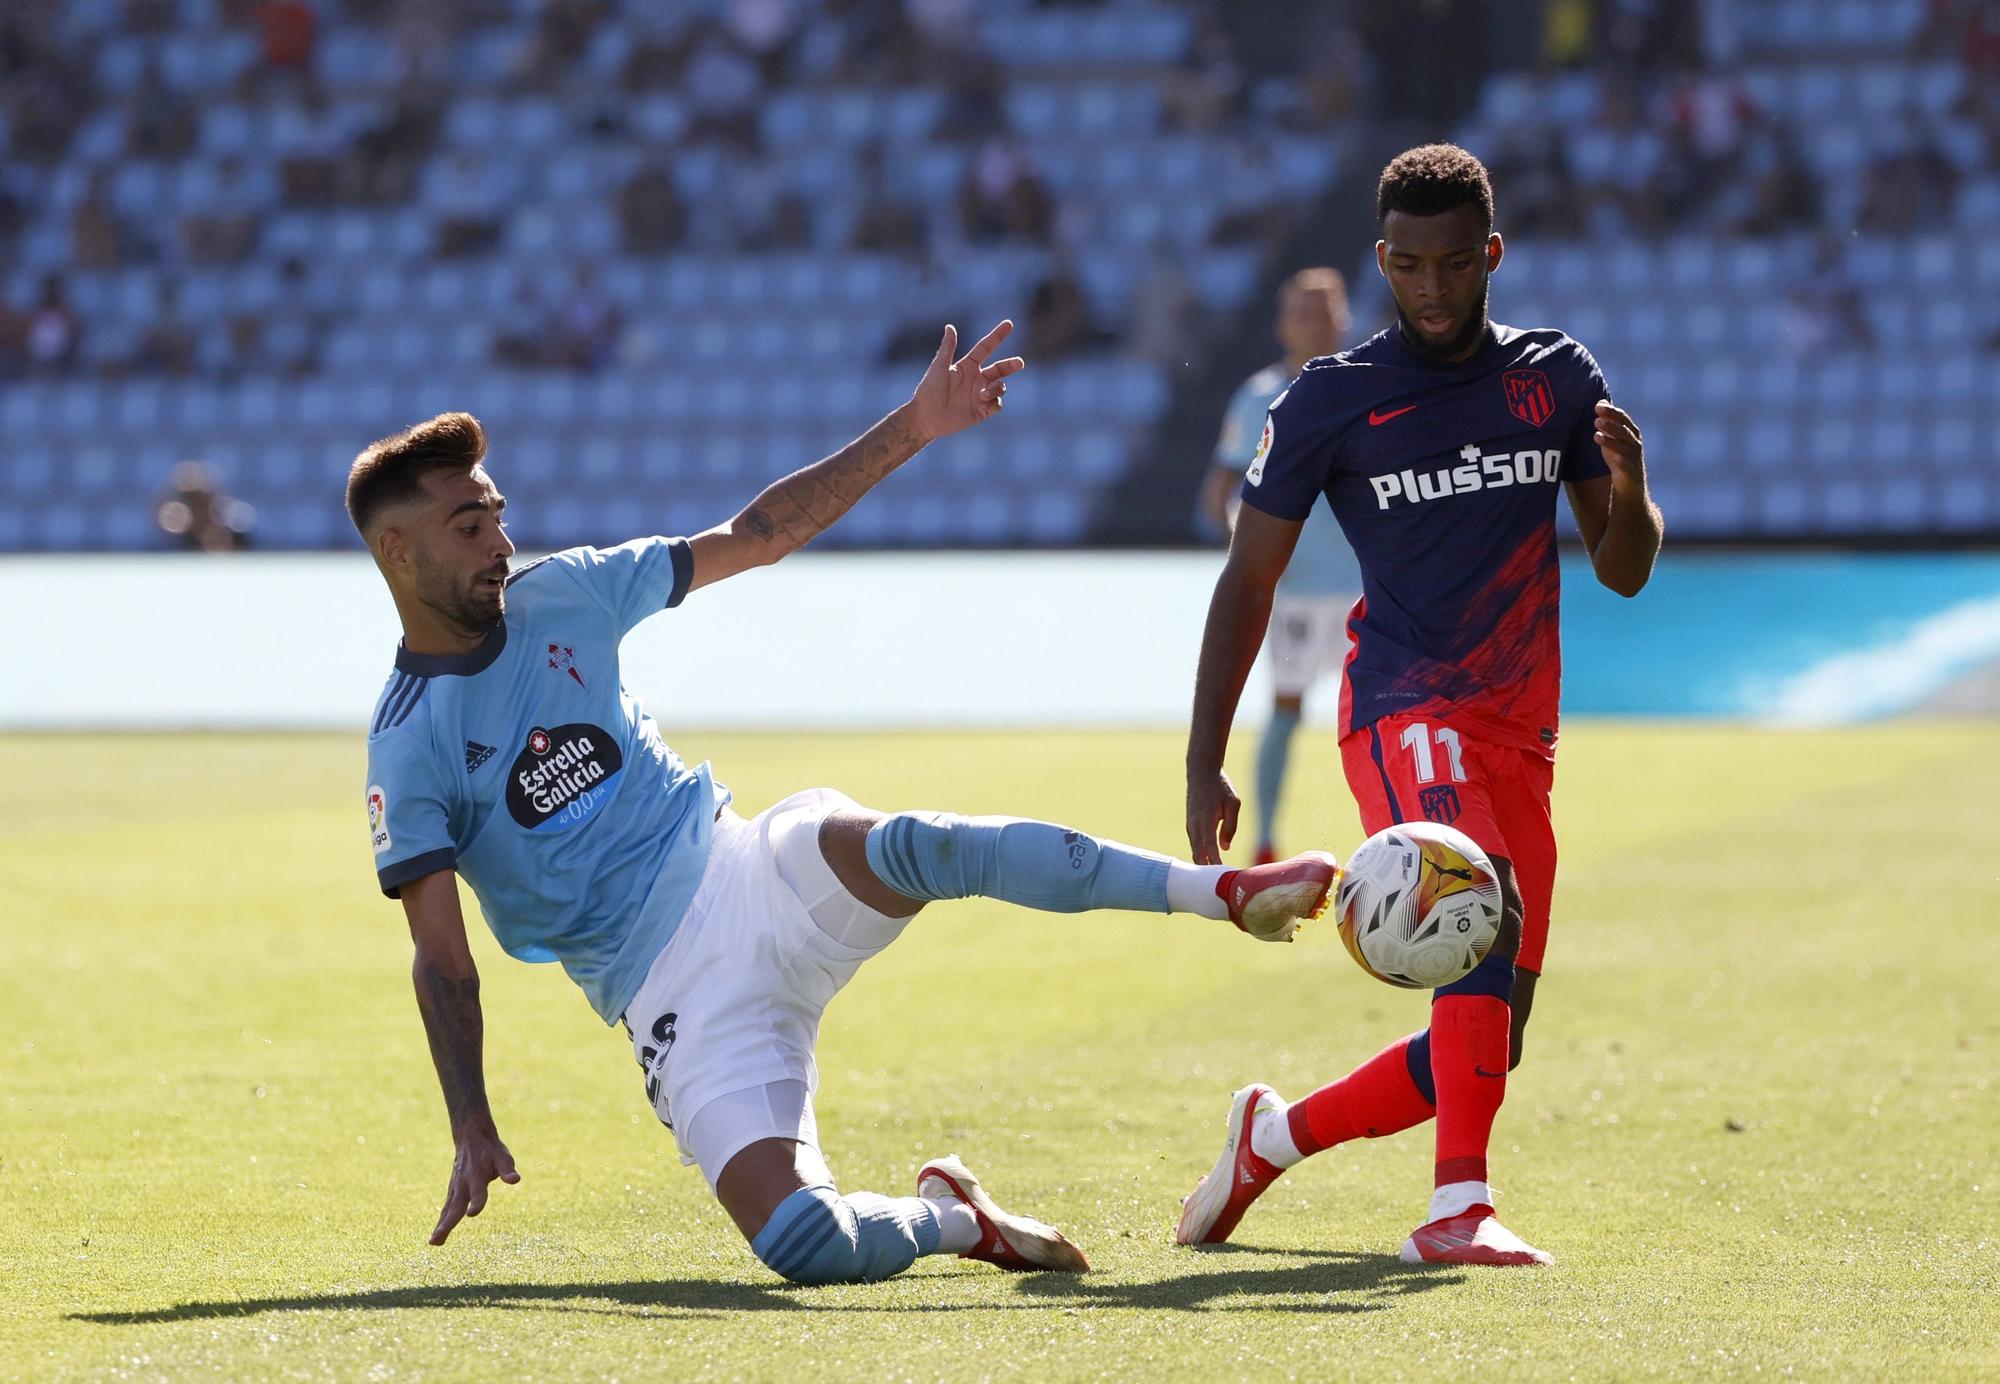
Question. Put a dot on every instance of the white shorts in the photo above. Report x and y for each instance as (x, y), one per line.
(1307, 639)
(733, 1002)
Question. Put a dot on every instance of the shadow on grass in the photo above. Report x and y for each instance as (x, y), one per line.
(1330, 1281)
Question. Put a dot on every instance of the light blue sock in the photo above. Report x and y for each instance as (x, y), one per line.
(1273, 751)
(940, 855)
(819, 1236)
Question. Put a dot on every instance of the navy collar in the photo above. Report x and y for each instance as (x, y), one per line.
(1488, 344)
(465, 665)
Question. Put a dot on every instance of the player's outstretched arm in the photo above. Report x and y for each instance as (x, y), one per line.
(1621, 526)
(1238, 613)
(448, 996)
(790, 513)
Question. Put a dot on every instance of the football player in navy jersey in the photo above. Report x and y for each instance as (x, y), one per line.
(1440, 444)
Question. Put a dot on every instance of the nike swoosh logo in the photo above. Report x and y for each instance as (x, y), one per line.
(1376, 420)
(1478, 1070)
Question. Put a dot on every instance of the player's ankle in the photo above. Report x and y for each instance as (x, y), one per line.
(1271, 1136)
(1457, 1198)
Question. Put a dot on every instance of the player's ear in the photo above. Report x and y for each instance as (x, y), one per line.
(1494, 251)
(392, 547)
(1382, 258)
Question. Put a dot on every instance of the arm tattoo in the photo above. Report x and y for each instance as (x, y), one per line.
(794, 511)
(456, 1030)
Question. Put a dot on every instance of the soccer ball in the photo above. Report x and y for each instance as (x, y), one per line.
(1418, 905)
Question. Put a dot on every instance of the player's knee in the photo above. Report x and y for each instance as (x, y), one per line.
(1507, 940)
(818, 1236)
(810, 1238)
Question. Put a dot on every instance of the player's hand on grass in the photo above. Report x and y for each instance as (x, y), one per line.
(953, 395)
(481, 1158)
(1211, 800)
(1624, 450)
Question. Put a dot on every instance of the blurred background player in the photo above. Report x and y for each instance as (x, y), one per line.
(1440, 443)
(1306, 638)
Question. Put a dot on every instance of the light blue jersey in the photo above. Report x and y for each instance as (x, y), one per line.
(1322, 564)
(526, 766)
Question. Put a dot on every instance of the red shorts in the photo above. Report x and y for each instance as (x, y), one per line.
(1406, 768)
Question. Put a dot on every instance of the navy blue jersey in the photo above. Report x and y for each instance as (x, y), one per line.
(1445, 479)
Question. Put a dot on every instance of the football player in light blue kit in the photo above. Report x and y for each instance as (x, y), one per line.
(1308, 631)
(505, 749)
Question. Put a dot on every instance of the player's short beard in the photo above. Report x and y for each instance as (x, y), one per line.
(1471, 331)
(460, 604)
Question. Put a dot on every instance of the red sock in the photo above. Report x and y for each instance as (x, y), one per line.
(1469, 1067)
(1378, 1097)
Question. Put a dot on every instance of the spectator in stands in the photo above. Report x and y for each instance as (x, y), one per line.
(310, 173)
(1783, 194)
(764, 30)
(1002, 199)
(1060, 322)
(887, 224)
(1823, 311)
(45, 92)
(380, 167)
(586, 326)
(97, 239)
(975, 98)
(563, 30)
(197, 514)
(723, 89)
(168, 347)
(651, 216)
(1532, 180)
(468, 198)
(52, 332)
(288, 343)
(223, 229)
(521, 329)
(1907, 181)
(158, 124)
(1207, 88)
(287, 35)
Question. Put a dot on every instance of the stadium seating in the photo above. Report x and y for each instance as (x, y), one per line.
(730, 367)
(350, 315)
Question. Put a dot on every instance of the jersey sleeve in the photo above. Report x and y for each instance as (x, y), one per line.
(636, 579)
(409, 821)
(1582, 460)
(1295, 454)
(1242, 427)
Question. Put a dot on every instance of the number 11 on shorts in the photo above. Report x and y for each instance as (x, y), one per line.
(1417, 738)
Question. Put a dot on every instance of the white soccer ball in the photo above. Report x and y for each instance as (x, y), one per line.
(1419, 904)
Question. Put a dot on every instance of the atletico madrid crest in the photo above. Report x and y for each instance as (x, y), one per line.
(1529, 397)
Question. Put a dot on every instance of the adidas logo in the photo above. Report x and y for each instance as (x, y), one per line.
(1246, 1177)
(476, 754)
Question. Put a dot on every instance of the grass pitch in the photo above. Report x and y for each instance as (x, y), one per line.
(1757, 1122)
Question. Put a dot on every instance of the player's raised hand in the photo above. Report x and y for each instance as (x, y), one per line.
(953, 395)
(481, 1158)
(1624, 450)
(1211, 803)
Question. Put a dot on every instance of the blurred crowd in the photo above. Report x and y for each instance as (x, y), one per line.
(721, 63)
(1670, 142)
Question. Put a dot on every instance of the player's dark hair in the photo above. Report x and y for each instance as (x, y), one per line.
(1430, 180)
(392, 470)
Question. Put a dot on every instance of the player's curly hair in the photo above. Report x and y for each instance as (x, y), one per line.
(1430, 180)
(392, 470)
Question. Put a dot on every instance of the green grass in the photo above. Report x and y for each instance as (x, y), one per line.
(1757, 1123)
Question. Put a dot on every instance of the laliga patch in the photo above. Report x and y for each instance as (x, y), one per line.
(562, 776)
(378, 818)
(1255, 474)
